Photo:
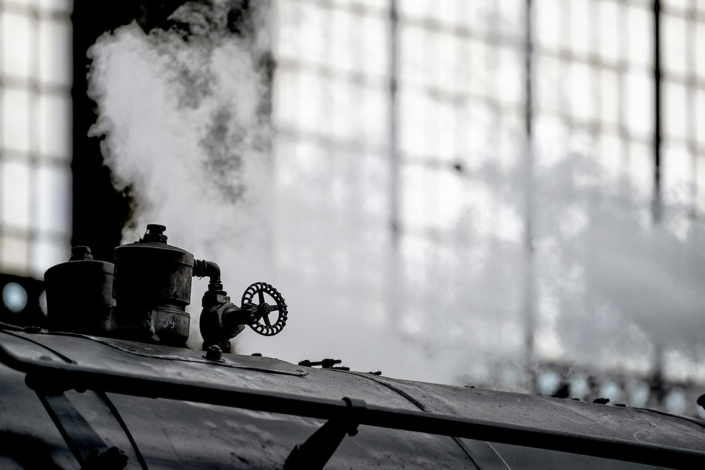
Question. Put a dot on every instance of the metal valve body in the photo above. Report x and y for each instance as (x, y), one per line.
(152, 289)
(146, 301)
(80, 293)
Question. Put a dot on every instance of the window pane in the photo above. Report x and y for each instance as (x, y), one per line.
(700, 49)
(56, 5)
(416, 9)
(15, 119)
(375, 113)
(550, 136)
(580, 26)
(548, 81)
(17, 45)
(512, 18)
(700, 183)
(287, 34)
(285, 98)
(314, 96)
(609, 97)
(54, 51)
(479, 77)
(676, 5)
(47, 253)
(510, 75)
(677, 174)
(376, 46)
(414, 47)
(700, 117)
(580, 91)
(641, 170)
(444, 68)
(54, 125)
(638, 104)
(414, 109)
(310, 24)
(380, 6)
(15, 255)
(676, 111)
(344, 48)
(548, 14)
(674, 52)
(343, 118)
(15, 194)
(25, 3)
(53, 190)
(639, 36)
(610, 158)
(609, 31)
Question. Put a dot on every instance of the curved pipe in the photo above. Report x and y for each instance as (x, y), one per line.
(203, 268)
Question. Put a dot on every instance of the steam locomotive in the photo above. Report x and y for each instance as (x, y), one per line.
(110, 385)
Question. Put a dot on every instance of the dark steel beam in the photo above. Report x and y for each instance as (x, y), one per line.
(73, 377)
(394, 186)
(657, 203)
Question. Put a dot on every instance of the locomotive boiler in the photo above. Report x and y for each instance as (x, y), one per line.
(110, 385)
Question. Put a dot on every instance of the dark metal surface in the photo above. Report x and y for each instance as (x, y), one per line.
(221, 320)
(177, 434)
(688, 454)
(315, 453)
(152, 289)
(657, 203)
(80, 294)
(165, 361)
(481, 453)
(85, 444)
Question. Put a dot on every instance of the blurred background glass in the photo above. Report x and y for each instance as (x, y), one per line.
(35, 142)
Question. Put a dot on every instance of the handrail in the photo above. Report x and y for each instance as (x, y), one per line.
(61, 377)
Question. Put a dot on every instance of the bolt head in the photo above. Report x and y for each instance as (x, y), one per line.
(214, 353)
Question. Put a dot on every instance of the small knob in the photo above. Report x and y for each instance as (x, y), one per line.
(156, 229)
(214, 353)
(80, 253)
(155, 233)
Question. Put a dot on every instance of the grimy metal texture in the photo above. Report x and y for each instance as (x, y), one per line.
(152, 288)
(85, 444)
(263, 308)
(79, 294)
(71, 376)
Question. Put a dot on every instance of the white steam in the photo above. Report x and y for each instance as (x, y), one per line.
(183, 128)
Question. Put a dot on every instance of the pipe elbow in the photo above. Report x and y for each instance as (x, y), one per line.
(203, 268)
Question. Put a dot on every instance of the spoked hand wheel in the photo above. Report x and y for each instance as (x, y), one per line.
(262, 308)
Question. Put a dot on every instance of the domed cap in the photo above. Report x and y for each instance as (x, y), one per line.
(155, 234)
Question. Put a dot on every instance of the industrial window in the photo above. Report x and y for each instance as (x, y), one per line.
(35, 148)
(683, 111)
(387, 117)
(404, 126)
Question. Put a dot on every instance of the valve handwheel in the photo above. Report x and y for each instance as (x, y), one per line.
(263, 325)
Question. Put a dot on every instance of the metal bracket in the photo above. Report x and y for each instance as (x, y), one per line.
(315, 453)
(85, 444)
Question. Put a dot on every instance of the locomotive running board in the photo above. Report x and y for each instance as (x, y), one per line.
(74, 377)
